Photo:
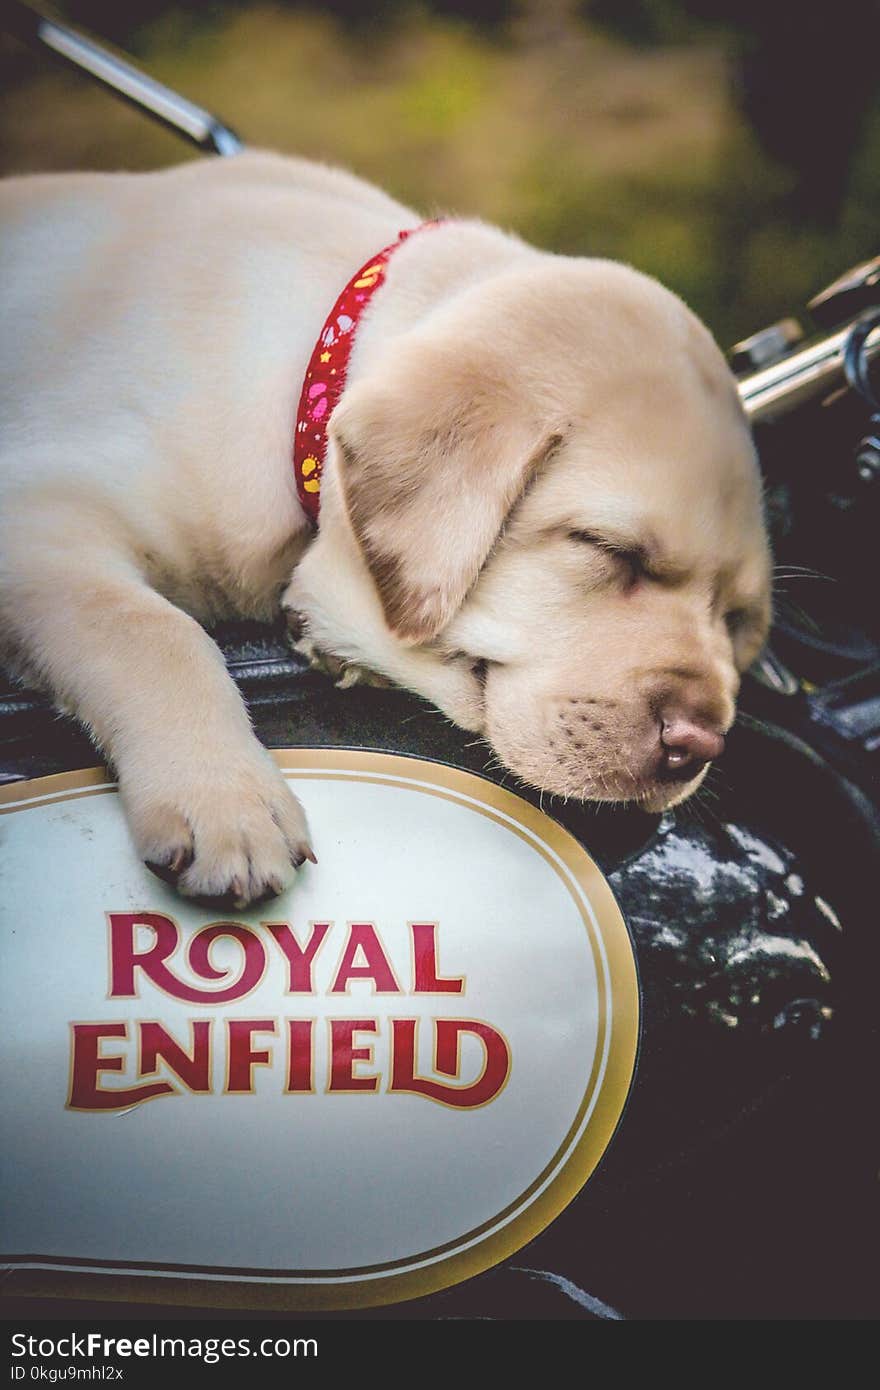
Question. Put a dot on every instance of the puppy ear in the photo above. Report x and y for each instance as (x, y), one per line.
(432, 456)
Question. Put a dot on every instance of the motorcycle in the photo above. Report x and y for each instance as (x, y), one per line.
(740, 1173)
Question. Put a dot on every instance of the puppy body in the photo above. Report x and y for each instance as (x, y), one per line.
(515, 428)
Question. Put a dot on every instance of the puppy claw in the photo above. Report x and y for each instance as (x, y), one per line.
(163, 871)
(180, 859)
(327, 664)
(351, 675)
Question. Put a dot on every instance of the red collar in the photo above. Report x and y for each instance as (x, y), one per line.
(326, 373)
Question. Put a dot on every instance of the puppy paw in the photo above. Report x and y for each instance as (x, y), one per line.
(228, 836)
(344, 674)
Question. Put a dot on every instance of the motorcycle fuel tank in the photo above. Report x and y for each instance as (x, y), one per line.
(491, 1057)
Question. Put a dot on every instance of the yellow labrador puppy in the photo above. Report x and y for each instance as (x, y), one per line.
(540, 506)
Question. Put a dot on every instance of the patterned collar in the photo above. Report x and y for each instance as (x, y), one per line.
(326, 373)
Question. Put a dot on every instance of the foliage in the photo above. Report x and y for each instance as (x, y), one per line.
(585, 139)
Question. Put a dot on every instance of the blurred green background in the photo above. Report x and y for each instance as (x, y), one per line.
(729, 147)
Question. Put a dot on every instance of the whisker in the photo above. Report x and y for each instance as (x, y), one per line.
(794, 610)
(787, 571)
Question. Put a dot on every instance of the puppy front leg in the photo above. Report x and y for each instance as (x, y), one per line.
(206, 804)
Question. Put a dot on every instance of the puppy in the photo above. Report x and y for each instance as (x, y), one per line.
(540, 505)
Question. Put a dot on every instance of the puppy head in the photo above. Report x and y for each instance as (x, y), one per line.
(554, 490)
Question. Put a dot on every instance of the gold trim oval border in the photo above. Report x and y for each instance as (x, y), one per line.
(562, 1179)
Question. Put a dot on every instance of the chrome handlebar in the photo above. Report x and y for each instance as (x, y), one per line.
(167, 107)
(812, 372)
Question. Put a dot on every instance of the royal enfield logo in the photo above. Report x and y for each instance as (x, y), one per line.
(192, 1064)
(376, 1085)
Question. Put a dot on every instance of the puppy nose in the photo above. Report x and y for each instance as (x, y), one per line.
(686, 747)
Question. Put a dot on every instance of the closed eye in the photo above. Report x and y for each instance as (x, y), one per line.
(631, 562)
